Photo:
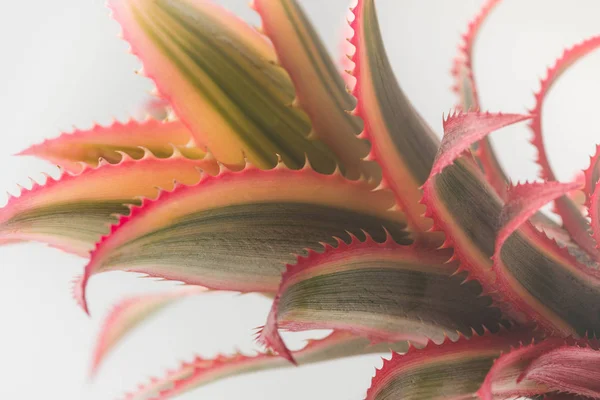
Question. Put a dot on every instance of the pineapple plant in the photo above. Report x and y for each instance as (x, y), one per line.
(266, 171)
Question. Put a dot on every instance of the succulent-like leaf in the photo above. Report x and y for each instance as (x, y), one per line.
(75, 210)
(464, 129)
(221, 77)
(401, 142)
(199, 372)
(465, 87)
(537, 277)
(459, 200)
(133, 138)
(236, 230)
(384, 291)
(320, 89)
(573, 220)
(508, 376)
(570, 369)
(452, 370)
(530, 289)
(592, 175)
(128, 314)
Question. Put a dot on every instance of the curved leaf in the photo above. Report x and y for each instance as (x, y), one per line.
(75, 210)
(235, 231)
(462, 130)
(570, 369)
(133, 138)
(507, 378)
(320, 89)
(566, 310)
(466, 88)
(128, 314)
(199, 372)
(452, 370)
(222, 80)
(384, 291)
(401, 142)
(537, 276)
(573, 220)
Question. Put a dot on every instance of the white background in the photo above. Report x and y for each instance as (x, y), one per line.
(61, 64)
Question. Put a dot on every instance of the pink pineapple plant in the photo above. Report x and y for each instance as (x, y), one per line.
(267, 171)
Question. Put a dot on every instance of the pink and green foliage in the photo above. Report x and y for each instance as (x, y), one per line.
(268, 175)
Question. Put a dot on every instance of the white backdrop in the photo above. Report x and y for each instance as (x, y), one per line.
(62, 64)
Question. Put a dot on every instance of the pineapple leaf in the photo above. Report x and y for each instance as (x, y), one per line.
(573, 220)
(320, 89)
(464, 129)
(200, 371)
(235, 231)
(524, 371)
(592, 176)
(451, 370)
(466, 88)
(75, 210)
(564, 311)
(70, 150)
(538, 277)
(128, 314)
(383, 291)
(401, 142)
(221, 77)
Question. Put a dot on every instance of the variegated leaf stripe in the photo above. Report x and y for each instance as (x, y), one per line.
(320, 89)
(200, 371)
(128, 314)
(401, 142)
(541, 276)
(565, 310)
(509, 376)
(384, 291)
(221, 77)
(109, 143)
(236, 230)
(75, 210)
(450, 371)
(573, 219)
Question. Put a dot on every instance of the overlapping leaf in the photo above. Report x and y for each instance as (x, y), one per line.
(453, 370)
(133, 138)
(401, 142)
(128, 314)
(220, 76)
(236, 230)
(573, 220)
(320, 89)
(75, 210)
(383, 291)
(200, 371)
(539, 278)
(527, 370)
(546, 284)
(466, 88)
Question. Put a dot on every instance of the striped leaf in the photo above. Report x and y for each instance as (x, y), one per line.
(384, 291)
(550, 287)
(524, 371)
(128, 314)
(201, 371)
(75, 210)
(133, 138)
(401, 142)
(452, 370)
(320, 89)
(236, 230)
(221, 77)
(573, 219)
